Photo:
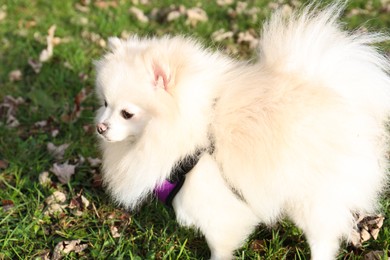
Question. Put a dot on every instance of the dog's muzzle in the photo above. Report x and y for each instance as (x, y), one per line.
(101, 128)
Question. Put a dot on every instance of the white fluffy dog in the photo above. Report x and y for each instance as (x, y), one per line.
(300, 133)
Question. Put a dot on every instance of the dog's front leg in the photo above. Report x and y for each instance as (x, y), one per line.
(207, 203)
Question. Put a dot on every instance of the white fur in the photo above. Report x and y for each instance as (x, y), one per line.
(299, 133)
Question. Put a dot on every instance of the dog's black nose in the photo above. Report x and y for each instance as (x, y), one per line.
(101, 128)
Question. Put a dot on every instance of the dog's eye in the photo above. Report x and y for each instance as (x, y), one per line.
(105, 103)
(126, 115)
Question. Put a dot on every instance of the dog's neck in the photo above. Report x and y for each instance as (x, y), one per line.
(167, 190)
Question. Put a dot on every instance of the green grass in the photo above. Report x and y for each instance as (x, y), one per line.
(26, 232)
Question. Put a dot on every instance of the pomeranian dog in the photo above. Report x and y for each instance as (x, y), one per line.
(299, 133)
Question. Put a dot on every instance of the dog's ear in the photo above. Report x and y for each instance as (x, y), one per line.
(114, 43)
(162, 76)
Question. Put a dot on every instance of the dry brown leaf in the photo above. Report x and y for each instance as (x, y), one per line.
(7, 204)
(57, 151)
(241, 7)
(97, 181)
(249, 38)
(221, 35)
(3, 164)
(12, 122)
(367, 227)
(44, 179)
(15, 75)
(139, 14)
(8, 110)
(94, 162)
(82, 8)
(106, 4)
(44, 255)
(173, 15)
(55, 203)
(78, 204)
(114, 232)
(94, 37)
(374, 255)
(41, 124)
(55, 132)
(196, 15)
(224, 2)
(142, 2)
(258, 245)
(47, 53)
(63, 171)
(54, 209)
(77, 108)
(56, 197)
(35, 65)
(65, 247)
(3, 13)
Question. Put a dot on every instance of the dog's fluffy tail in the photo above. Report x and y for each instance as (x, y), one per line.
(312, 44)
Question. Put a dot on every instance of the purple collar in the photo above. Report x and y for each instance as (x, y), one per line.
(167, 190)
(163, 191)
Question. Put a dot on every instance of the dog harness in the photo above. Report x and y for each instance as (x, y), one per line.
(167, 191)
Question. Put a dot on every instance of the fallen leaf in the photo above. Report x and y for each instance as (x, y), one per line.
(35, 65)
(47, 53)
(221, 35)
(44, 256)
(139, 14)
(249, 38)
(173, 15)
(3, 13)
(8, 109)
(12, 122)
(97, 181)
(258, 245)
(55, 203)
(94, 162)
(142, 2)
(89, 129)
(79, 98)
(77, 108)
(55, 132)
(65, 247)
(63, 171)
(106, 4)
(44, 179)
(56, 197)
(85, 2)
(364, 235)
(374, 255)
(7, 204)
(3, 164)
(57, 151)
(195, 15)
(82, 8)
(367, 227)
(114, 232)
(224, 2)
(15, 75)
(94, 37)
(55, 208)
(78, 204)
(41, 124)
(83, 76)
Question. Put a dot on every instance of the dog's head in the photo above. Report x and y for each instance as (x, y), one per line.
(132, 86)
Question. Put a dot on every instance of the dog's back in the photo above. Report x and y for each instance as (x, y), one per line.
(303, 132)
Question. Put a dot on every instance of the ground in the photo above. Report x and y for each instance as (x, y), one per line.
(52, 203)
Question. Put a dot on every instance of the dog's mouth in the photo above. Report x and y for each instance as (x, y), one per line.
(129, 139)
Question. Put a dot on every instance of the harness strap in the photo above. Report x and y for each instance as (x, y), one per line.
(167, 191)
